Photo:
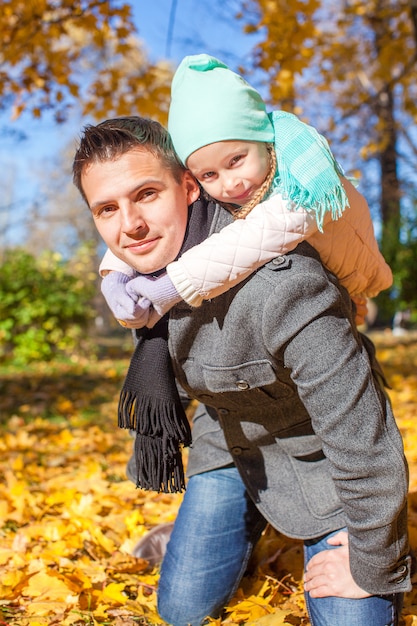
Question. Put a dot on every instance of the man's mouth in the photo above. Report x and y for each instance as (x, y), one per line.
(142, 246)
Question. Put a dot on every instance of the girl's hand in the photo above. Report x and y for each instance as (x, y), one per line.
(361, 310)
(159, 290)
(130, 311)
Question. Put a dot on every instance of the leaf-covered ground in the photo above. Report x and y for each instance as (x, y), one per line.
(69, 518)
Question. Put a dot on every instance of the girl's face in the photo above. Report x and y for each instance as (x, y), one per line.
(230, 171)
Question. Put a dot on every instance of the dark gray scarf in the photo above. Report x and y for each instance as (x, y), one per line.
(149, 401)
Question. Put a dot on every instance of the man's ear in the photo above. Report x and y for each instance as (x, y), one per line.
(192, 187)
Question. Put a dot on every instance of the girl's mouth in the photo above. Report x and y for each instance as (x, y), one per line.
(242, 197)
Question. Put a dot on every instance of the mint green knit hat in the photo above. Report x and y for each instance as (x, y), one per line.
(210, 103)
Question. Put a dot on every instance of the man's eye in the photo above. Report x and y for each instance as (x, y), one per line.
(104, 211)
(146, 194)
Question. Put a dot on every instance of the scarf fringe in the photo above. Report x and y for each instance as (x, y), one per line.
(159, 466)
(331, 201)
(162, 428)
(308, 175)
(153, 417)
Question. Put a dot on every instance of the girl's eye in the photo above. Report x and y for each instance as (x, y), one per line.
(236, 159)
(207, 175)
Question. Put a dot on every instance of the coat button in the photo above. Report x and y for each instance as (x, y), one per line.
(242, 384)
(279, 260)
(400, 579)
(402, 571)
(236, 451)
(224, 411)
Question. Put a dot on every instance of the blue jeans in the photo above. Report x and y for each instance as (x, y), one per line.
(215, 531)
(213, 537)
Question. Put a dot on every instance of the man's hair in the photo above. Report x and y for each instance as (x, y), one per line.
(113, 138)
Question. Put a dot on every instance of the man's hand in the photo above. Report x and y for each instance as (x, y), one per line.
(131, 311)
(160, 290)
(328, 572)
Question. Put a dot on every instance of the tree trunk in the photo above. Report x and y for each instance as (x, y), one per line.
(390, 185)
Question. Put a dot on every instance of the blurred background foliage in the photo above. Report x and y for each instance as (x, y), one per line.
(347, 67)
(45, 305)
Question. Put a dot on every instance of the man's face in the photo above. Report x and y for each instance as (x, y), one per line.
(140, 210)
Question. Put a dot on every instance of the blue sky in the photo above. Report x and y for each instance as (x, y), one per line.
(30, 146)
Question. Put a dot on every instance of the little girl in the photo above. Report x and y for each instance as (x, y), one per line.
(273, 170)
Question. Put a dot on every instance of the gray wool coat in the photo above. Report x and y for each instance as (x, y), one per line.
(294, 398)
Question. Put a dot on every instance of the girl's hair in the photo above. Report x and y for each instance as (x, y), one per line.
(113, 138)
(263, 189)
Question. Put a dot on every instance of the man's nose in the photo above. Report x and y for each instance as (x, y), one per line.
(131, 219)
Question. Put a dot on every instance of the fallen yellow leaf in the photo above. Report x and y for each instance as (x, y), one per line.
(113, 591)
(41, 585)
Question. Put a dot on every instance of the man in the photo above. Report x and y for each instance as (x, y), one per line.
(297, 429)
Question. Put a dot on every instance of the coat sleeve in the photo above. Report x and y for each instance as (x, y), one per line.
(231, 255)
(111, 263)
(337, 379)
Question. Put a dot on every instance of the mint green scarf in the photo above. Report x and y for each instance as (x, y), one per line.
(307, 173)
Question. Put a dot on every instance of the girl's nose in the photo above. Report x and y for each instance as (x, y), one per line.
(230, 183)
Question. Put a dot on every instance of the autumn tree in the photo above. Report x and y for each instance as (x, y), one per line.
(349, 68)
(84, 56)
(59, 52)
